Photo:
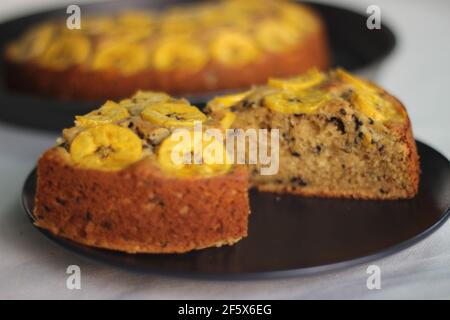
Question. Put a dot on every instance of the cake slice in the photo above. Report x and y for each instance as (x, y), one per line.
(340, 136)
(110, 182)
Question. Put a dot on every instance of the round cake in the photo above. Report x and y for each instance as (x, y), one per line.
(183, 50)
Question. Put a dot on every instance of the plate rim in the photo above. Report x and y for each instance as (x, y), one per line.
(78, 248)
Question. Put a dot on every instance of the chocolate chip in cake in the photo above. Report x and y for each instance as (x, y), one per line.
(318, 149)
(358, 123)
(60, 201)
(383, 191)
(342, 112)
(299, 115)
(370, 121)
(295, 154)
(339, 124)
(106, 225)
(88, 216)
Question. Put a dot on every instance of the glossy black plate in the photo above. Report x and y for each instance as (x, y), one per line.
(353, 47)
(293, 235)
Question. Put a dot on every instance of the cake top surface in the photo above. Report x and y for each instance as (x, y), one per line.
(145, 125)
(310, 92)
(226, 32)
(119, 134)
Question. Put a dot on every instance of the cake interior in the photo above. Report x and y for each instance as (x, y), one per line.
(341, 148)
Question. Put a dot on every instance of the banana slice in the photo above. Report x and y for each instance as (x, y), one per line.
(300, 17)
(178, 53)
(107, 147)
(127, 58)
(68, 50)
(141, 99)
(276, 36)
(33, 43)
(177, 153)
(234, 48)
(312, 78)
(368, 99)
(173, 114)
(227, 119)
(224, 102)
(150, 97)
(110, 112)
(295, 102)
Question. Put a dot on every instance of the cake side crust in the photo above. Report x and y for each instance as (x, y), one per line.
(138, 209)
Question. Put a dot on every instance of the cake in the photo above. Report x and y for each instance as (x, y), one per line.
(340, 136)
(190, 49)
(110, 183)
(112, 180)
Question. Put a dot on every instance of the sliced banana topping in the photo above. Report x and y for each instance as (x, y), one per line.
(227, 101)
(32, 44)
(295, 102)
(150, 97)
(179, 54)
(127, 58)
(368, 99)
(108, 147)
(232, 33)
(141, 99)
(173, 114)
(110, 112)
(234, 48)
(275, 36)
(227, 119)
(185, 155)
(66, 51)
(310, 79)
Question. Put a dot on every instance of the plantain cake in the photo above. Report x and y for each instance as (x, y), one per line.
(183, 50)
(112, 182)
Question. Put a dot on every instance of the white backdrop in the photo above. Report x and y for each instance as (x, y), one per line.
(418, 73)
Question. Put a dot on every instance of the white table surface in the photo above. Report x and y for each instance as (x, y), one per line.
(418, 72)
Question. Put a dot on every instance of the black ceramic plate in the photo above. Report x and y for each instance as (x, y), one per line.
(353, 46)
(293, 235)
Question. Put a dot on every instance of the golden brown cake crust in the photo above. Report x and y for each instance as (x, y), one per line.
(76, 83)
(138, 209)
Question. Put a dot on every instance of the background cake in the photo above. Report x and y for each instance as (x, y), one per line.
(190, 49)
